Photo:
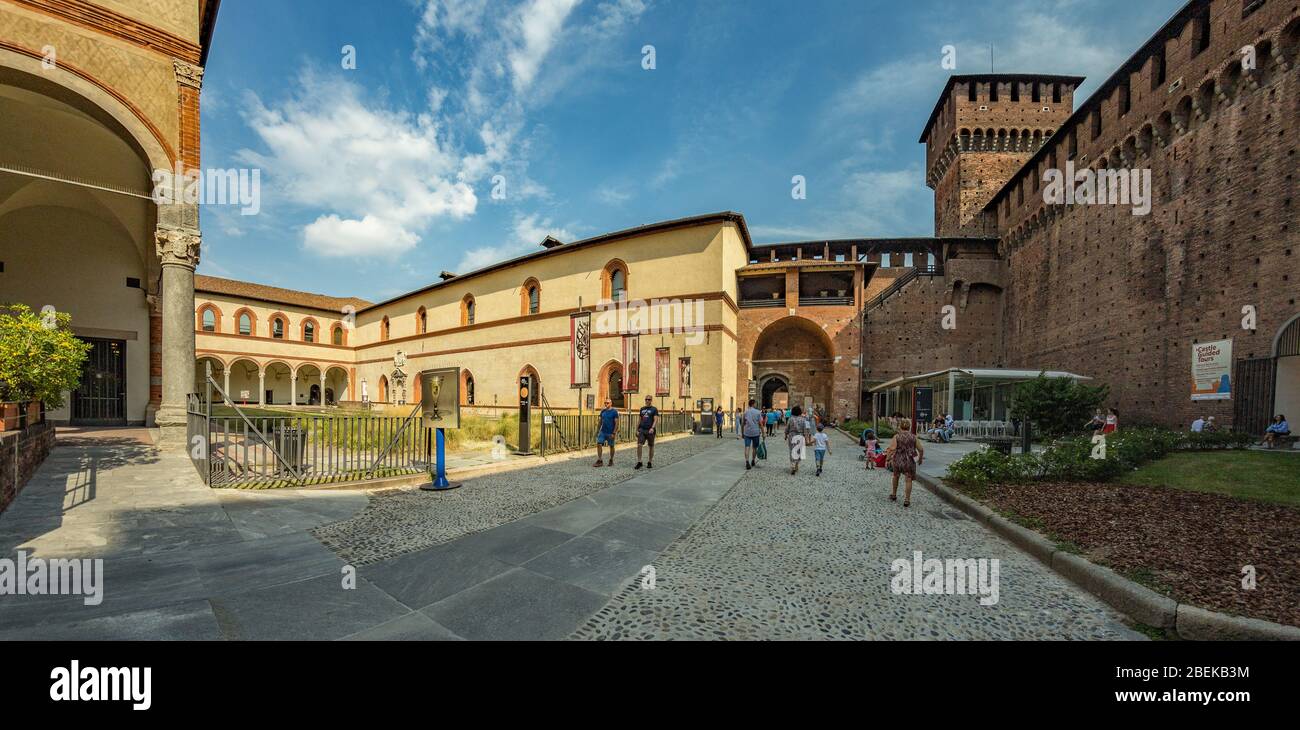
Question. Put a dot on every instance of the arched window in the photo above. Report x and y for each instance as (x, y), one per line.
(421, 321)
(337, 335)
(614, 281)
(277, 328)
(245, 323)
(467, 388)
(384, 330)
(209, 320)
(530, 301)
(467, 310)
(383, 388)
(309, 331)
(535, 385)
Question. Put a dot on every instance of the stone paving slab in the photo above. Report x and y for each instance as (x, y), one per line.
(315, 609)
(517, 605)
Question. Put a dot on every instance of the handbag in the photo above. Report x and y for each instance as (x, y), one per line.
(762, 449)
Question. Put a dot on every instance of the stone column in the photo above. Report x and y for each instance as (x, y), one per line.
(226, 385)
(293, 389)
(261, 387)
(178, 254)
(322, 389)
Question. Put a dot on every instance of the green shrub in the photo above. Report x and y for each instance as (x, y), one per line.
(855, 427)
(40, 358)
(1070, 459)
(1056, 406)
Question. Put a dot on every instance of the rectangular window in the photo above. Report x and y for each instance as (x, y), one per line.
(1125, 99)
(1015, 91)
(1037, 94)
(1074, 145)
(1096, 123)
(970, 91)
(993, 91)
(1056, 92)
(1158, 70)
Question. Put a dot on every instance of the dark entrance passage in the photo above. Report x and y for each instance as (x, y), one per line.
(616, 389)
(776, 393)
(100, 399)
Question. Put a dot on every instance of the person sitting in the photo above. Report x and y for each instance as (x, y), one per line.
(1097, 422)
(1198, 426)
(1210, 425)
(1276, 431)
(937, 433)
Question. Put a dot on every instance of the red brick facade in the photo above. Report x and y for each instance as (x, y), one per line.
(1095, 289)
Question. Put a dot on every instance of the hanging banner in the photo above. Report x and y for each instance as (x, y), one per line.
(1211, 370)
(580, 350)
(683, 377)
(631, 363)
(663, 371)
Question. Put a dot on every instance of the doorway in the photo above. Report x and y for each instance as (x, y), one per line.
(100, 398)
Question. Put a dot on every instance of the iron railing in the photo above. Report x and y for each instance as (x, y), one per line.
(901, 282)
(232, 447)
(568, 432)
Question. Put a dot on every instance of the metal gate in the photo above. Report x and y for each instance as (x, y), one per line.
(1252, 406)
(100, 399)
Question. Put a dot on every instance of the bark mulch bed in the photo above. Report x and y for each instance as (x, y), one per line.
(1188, 545)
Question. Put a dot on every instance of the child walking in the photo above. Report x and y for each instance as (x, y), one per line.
(872, 449)
(821, 446)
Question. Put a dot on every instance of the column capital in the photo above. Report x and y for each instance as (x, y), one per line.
(188, 74)
(178, 246)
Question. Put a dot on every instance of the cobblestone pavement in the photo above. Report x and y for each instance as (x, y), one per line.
(404, 520)
(807, 557)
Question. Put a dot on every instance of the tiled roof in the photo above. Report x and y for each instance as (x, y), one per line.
(274, 294)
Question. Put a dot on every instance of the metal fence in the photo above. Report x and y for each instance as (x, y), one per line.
(232, 447)
(569, 432)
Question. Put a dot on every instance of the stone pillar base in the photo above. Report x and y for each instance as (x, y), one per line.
(172, 424)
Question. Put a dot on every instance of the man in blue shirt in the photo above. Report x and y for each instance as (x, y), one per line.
(608, 425)
(647, 422)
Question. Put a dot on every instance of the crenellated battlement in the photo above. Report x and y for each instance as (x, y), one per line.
(982, 129)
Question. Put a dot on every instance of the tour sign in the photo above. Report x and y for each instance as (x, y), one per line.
(440, 397)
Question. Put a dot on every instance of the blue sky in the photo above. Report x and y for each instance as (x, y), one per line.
(376, 178)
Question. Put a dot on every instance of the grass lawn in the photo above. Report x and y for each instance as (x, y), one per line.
(1261, 476)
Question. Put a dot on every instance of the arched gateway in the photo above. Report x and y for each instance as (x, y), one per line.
(794, 360)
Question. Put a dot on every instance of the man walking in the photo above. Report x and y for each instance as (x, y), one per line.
(605, 435)
(752, 430)
(718, 418)
(647, 421)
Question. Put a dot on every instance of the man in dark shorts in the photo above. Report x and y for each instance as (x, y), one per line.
(605, 435)
(647, 423)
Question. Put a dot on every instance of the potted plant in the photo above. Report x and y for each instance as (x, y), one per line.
(40, 360)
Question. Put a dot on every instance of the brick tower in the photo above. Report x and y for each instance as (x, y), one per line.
(982, 130)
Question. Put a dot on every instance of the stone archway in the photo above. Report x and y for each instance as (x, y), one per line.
(797, 353)
(774, 391)
(62, 121)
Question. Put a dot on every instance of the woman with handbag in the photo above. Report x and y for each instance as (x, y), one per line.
(902, 456)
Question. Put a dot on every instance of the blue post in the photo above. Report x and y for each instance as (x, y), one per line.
(440, 474)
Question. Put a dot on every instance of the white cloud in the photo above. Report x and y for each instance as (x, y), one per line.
(330, 235)
(536, 26)
(374, 170)
(529, 231)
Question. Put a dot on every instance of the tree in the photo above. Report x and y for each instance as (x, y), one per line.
(40, 358)
(1057, 406)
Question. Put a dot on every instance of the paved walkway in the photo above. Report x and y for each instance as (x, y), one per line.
(807, 557)
(186, 562)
